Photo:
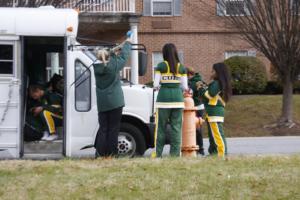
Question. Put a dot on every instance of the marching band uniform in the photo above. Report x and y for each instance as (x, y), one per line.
(169, 106)
(214, 106)
(52, 113)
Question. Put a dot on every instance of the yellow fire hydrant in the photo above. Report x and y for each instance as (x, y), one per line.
(190, 122)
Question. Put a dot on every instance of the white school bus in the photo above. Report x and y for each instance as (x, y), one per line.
(29, 37)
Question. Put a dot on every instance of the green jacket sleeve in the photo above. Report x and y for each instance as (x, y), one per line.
(196, 92)
(192, 85)
(182, 70)
(159, 68)
(54, 103)
(212, 90)
(122, 59)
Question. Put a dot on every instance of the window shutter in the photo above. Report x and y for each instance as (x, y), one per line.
(220, 7)
(147, 8)
(295, 7)
(292, 2)
(177, 7)
(180, 55)
(249, 5)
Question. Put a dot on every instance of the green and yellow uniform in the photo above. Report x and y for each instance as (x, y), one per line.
(52, 110)
(169, 106)
(214, 106)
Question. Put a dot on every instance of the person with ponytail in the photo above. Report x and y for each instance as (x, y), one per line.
(110, 98)
(215, 97)
(171, 80)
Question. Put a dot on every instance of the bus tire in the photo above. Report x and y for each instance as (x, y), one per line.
(131, 141)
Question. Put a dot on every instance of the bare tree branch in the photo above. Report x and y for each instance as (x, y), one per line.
(273, 28)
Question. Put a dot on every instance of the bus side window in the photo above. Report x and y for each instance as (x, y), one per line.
(82, 87)
(6, 59)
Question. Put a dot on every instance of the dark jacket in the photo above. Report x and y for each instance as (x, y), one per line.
(108, 86)
(214, 104)
(50, 101)
(192, 84)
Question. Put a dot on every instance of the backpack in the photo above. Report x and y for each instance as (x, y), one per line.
(31, 133)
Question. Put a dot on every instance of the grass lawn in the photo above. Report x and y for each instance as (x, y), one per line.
(272, 177)
(247, 115)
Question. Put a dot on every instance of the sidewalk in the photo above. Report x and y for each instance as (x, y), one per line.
(255, 146)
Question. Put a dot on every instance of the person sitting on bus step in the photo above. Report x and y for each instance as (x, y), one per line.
(49, 108)
(56, 84)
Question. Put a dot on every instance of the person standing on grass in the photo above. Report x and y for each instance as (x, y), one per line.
(193, 79)
(110, 98)
(171, 76)
(215, 96)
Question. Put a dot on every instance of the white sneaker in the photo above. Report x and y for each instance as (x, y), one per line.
(52, 137)
(46, 134)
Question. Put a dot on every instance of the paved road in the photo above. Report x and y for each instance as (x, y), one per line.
(256, 146)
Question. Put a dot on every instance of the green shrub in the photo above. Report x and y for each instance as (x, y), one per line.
(248, 75)
(297, 87)
(273, 87)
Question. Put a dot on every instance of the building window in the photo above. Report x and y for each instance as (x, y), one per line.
(157, 58)
(232, 8)
(295, 7)
(54, 64)
(6, 59)
(235, 7)
(229, 54)
(162, 8)
(82, 87)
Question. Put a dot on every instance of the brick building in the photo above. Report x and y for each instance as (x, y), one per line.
(198, 30)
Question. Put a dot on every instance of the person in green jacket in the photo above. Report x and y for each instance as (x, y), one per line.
(215, 96)
(171, 76)
(110, 98)
(193, 80)
(48, 107)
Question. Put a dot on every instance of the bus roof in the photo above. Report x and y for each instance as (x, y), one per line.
(43, 21)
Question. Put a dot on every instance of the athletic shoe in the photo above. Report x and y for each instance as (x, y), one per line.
(201, 151)
(46, 134)
(52, 137)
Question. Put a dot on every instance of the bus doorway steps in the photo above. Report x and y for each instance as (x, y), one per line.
(36, 156)
(43, 147)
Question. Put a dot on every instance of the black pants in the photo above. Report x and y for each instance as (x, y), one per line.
(199, 133)
(106, 142)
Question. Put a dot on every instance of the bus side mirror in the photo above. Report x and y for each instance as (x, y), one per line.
(143, 61)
